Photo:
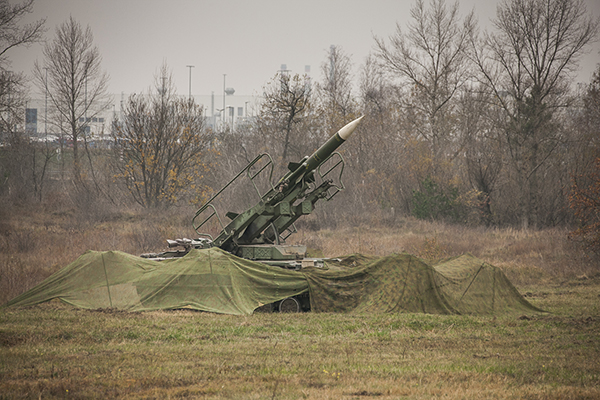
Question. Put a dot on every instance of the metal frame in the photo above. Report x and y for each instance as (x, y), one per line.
(208, 204)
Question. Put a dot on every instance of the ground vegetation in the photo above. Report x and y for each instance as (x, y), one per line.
(53, 350)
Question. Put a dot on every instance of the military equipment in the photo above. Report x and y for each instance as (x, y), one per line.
(259, 233)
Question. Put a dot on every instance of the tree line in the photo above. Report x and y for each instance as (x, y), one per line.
(462, 125)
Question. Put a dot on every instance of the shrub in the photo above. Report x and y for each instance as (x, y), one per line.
(433, 203)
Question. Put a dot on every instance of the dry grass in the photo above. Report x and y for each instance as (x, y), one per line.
(35, 242)
(527, 257)
(38, 240)
(54, 351)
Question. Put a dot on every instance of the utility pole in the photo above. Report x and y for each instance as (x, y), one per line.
(224, 75)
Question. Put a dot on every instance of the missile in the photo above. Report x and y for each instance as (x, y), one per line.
(310, 163)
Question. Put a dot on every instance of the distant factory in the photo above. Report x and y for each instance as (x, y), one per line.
(223, 111)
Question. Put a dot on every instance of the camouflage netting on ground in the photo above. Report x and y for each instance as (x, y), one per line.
(215, 281)
(404, 283)
(208, 280)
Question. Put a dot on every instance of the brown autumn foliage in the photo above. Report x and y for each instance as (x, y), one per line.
(160, 144)
(584, 200)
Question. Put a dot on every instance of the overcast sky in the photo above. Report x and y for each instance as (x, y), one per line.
(248, 40)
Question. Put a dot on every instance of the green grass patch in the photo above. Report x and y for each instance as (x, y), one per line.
(55, 351)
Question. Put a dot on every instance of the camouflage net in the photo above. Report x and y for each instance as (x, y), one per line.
(215, 281)
(404, 283)
(207, 280)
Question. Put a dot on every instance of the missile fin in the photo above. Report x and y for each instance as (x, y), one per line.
(292, 166)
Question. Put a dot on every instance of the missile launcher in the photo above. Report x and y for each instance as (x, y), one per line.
(259, 232)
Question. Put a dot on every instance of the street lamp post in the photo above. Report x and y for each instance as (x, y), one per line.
(190, 80)
(46, 106)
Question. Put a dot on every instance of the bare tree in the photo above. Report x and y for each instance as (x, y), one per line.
(13, 34)
(335, 91)
(379, 104)
(12, 102)
(376, 156)
(161, 146)
(590, 117)
(482, 154)
(584, 196)
(15, 166)
(431, 58)
(527, 62)
(75, 82)
(286, 104)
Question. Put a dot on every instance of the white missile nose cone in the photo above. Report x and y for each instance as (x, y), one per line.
(349, 128)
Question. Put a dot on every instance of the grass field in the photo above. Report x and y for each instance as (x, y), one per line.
(55, 351)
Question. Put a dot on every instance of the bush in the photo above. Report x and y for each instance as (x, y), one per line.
(433, 203)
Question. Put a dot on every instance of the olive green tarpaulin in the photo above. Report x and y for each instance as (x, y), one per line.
(215, 281)
(208, 280)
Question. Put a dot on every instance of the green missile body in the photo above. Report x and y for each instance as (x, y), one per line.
(311, 163)
(280, 206)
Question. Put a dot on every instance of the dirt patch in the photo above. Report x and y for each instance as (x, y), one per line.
(366, 393)
(114, 311)
(11, 339)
